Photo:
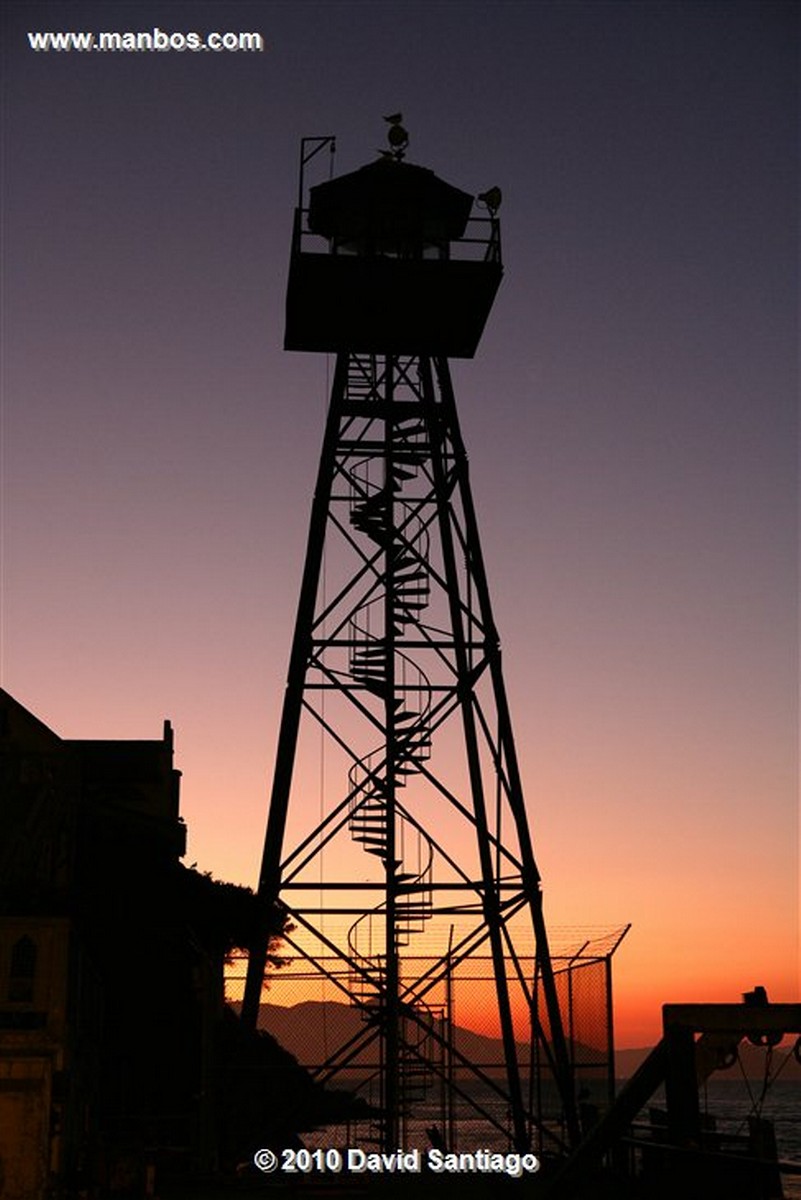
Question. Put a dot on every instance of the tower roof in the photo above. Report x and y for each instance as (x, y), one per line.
(389, 198)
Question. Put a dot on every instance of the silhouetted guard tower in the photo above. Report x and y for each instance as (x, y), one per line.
(398, 842)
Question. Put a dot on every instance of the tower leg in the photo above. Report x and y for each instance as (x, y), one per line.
(557, 1052)
(490, 895)
(302, 642)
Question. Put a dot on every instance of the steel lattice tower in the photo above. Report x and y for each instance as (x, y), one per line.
(421, 864)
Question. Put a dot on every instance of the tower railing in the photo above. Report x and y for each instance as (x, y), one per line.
(481, 243)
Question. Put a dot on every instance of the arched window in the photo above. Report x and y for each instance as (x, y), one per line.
(23, 969)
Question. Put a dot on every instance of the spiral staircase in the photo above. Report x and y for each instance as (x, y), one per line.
(378, 820)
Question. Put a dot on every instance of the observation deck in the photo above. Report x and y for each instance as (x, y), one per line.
(388, 260)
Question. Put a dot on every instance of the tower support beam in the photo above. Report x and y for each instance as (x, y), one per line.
(270, 874)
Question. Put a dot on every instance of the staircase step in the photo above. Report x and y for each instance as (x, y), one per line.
(416, 572)
(375, 790)
(370, 669)
(365, 674)
(415, 740)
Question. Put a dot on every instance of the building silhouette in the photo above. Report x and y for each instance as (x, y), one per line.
(119, 1064)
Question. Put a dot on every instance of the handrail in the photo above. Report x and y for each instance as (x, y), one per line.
(305, 241)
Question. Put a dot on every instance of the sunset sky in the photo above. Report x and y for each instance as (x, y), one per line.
(631, 417)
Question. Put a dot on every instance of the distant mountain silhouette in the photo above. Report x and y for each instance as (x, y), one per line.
(313, 1029)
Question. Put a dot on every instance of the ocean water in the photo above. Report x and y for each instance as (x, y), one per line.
(732, 1101)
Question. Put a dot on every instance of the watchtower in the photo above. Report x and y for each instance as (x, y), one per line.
(397, 841)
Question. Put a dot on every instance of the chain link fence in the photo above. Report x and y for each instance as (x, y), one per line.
(450, 1078)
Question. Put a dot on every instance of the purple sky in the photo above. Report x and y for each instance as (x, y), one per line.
(631, 416)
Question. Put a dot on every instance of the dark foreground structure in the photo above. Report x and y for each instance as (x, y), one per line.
(120, 1067)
